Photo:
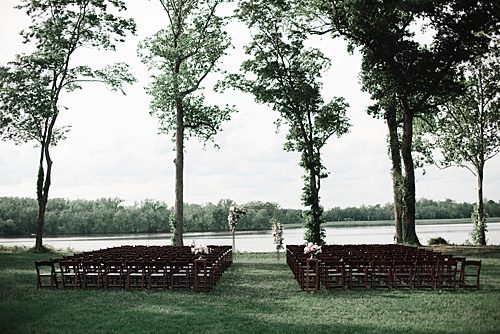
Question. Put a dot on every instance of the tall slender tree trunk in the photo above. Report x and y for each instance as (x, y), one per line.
(41, 208)
(179, 175)
(315, 208)
(397, 177)
(409, 232)
(42, 191)
(481, 217)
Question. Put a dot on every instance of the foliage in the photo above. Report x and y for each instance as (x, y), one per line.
(277, 229)
(468, 127)
(437, 241)
(179, 58)
(235, 213)
(32, 84)
(406, 77)
(283, 73)
(468, 131)
(109, 215)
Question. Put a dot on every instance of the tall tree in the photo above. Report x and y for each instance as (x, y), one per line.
(180, 57)
(406, 77)
(468, 131)
(285, 74)
(31, 86)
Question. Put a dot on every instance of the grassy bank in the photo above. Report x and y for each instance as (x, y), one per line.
(257, 295)
(361, 223)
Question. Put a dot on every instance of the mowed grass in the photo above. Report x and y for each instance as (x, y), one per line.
(258, 294)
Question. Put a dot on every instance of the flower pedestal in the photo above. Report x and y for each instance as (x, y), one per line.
(311, 275)
(201, 276)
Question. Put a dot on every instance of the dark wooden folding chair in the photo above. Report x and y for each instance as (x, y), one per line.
(333, 274)
(114, 274)
(71, 274)
(158, 274)
(403, 273)
(180, 274)
(382, 274)
(359, 274)
(425, 274)
(92, 274)
(45, 274)
(136, 274)
(446, 273)
(469, 274)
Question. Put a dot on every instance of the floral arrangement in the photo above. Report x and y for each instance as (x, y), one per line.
(199, 249)
(235, 212)
(278, 234)
(312, 249)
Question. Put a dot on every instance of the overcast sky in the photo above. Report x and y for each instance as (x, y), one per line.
(114, 149)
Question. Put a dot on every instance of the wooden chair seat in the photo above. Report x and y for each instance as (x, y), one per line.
(158, 274)
(92, 274)
(114, 274)
(136, 274)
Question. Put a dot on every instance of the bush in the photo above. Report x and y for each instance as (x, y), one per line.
(437, 241)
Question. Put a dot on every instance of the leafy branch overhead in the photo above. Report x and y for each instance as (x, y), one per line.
(179, 58)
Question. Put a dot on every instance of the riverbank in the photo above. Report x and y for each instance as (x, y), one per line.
(391, 222)
(258, 294)
(342, 224)
(262, 241)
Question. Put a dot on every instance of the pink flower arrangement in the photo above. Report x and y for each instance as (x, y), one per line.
(311, 248)
(199, 249)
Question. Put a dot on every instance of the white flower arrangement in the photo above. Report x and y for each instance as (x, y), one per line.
(312, 249)
(199, 249)
(235, 212)
(278, 234)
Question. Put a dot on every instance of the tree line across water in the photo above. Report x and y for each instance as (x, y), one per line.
(109, 215)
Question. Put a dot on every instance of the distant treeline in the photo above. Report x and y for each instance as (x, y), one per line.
(425, 209)
(109, 215)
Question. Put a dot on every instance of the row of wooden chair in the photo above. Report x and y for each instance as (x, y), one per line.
(167, 270)
(381, 266)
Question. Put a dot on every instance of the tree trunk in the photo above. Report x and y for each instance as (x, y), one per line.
(42, 191)
(42, 204)
(409, 232)
(397, 177)
(480, 208)
(179, 175)
(315, 208)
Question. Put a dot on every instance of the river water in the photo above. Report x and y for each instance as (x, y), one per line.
(262, 241)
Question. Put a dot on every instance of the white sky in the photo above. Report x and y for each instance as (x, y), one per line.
(114, 149)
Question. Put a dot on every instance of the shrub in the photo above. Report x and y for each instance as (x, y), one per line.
(437, 241)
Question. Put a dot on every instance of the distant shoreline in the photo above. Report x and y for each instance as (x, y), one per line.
(340, 224)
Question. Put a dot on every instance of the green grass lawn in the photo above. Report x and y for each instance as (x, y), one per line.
(258, 294)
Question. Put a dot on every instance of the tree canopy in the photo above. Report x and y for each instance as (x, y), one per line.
(32, 84)
(283, 73)
(180, 57)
